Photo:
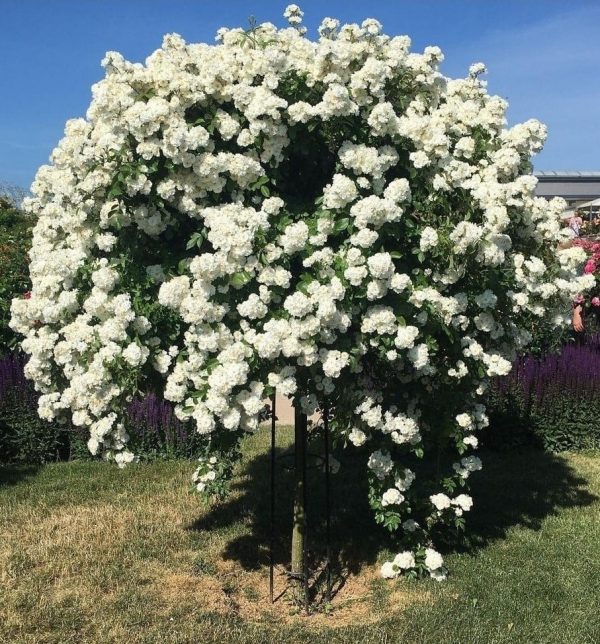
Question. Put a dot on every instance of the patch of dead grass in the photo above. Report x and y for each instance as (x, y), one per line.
(232, 591)
(103, 562)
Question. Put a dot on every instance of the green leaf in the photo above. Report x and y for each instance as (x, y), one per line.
(115, 191)
(283, 223)
(261, 181)
(116, 221)
(211, 364)
(195, 240)
(341, 225)
(183, 265)
(239, 280)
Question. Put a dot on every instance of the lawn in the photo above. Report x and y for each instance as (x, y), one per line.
(90, 553)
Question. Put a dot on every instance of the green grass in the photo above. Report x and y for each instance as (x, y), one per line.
(90, 553)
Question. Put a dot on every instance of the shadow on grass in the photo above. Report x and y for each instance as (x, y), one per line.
(13, 474)
(521, 489)
(515, 489)
(355, 538)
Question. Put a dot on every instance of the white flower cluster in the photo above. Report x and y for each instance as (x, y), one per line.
(205, 473)
(334, 219)
(405, 561)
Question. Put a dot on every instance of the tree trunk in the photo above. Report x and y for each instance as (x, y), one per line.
(299, 521)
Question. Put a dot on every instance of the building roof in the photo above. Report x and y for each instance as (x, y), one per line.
(567, 174)
(569, 184)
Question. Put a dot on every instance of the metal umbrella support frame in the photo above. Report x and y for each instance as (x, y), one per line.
(300, 461)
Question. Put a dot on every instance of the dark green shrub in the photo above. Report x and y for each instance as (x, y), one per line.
(15, 241)
(24, 436)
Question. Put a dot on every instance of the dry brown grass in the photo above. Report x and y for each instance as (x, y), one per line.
(99, 555)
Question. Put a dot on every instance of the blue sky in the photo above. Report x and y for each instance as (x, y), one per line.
(542, 55)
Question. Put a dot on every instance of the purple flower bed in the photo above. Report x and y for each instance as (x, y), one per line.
(574, 371)
(153, 426)
(553, 401)
(155, 431)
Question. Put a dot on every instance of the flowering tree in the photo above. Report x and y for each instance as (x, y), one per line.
(331, 218)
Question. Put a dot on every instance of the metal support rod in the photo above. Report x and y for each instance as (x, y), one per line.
(272, 526)
(327, 501)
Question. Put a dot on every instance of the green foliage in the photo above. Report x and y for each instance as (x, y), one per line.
(26, 438)
(562, 423)
(15, 241)
(548, 338)
(155, 433)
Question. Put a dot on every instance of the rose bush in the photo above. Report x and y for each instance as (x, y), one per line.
(591, 247)
(334, 219)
